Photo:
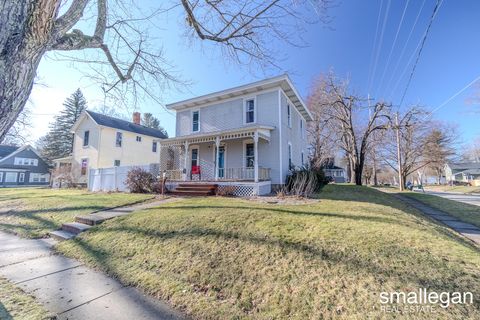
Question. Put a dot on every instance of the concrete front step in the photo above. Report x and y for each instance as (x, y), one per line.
(90, 219)
(61, 235)
(75, 227)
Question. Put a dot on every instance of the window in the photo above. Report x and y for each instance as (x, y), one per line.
(154, 146)
(302, 159)
(116, 163)
(86, 137)
(195, 121)
(302, 134)
(250, 111)
(10, 177)
(289, 116)
(194, 157)
(249, 155)
(139, 139)
(34, 177)
(25, 162)
(118, 139)
(21, 177)
(290, 165)
(1, 176)
(83, 170)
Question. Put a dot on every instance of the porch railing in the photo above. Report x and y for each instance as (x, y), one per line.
(244, 174)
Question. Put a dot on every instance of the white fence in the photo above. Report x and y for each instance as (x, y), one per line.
(113, 179)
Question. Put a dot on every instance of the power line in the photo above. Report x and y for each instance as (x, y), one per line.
(434, 13)
(374, 49)
(453, 97)
(402, 53)
(393, 44)
(379, 49)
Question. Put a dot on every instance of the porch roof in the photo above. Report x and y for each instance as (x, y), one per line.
(245, 132)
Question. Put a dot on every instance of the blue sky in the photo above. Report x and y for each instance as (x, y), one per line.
(450, 60)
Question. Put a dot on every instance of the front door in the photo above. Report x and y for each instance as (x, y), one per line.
(221, 162)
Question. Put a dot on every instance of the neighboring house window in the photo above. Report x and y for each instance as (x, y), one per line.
(195, 121)
(249, 155)
(1, 176)
(289, 116)
(250, 111)
(116, 163)
(139, 139)
(10, 177)
(21, 177)
(290, 166)
(34, 177)
(83, 170)
(154, 146)
(86, 138)
(25, 162)
(118, 139)
(194, 157)
(44, 177)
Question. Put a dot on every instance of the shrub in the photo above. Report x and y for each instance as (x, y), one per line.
(305, 181)
(140, 181)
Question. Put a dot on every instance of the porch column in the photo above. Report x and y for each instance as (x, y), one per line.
(255, 155)
(217, 153)
(186, 161)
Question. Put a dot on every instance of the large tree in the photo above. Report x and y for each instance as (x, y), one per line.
(440, 147)
(59, 140)
(149, 120)
(123, 39)
(352, 121)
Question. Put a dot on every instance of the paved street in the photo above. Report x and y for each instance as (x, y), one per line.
(470, 199)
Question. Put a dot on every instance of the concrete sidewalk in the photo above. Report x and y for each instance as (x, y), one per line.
(71, 290)
(467, 230)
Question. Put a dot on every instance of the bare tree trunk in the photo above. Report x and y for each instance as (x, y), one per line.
(26, 27)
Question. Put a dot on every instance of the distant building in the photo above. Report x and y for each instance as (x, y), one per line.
(22, 166)
(334, 172)
(465, 172)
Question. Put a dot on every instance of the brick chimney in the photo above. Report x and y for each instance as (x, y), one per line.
(136, 117)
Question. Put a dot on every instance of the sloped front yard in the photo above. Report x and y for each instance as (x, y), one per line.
(33, 212)
(224, 258)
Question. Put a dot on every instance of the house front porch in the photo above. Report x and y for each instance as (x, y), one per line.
(230, 159)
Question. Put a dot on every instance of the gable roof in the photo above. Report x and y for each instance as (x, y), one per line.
(282, 81)
(464, 165)
(18, 150)
(120, 124)
(6, 150)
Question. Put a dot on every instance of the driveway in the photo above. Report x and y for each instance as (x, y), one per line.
(461, 197)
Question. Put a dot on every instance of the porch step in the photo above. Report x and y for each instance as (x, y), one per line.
(195, 189)
(75, 227)
(61, 235)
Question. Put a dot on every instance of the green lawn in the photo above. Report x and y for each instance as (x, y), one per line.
(463, 211)
(226, 258)
(33, 212)
(16, 304)
(462, 189)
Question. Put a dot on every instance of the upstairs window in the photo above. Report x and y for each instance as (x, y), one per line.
(195, 121)
(118, 139)
(86, 137)
(139, 139)
(250, 111)
(25, 161)
(289, 116)
(154, 146)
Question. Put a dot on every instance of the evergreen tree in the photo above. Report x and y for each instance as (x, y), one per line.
(150, 121)
(59, 140)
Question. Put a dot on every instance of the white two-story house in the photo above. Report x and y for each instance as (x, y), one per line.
(247, 137)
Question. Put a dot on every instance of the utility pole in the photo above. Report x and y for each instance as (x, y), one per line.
(399, 154)
(374, 145)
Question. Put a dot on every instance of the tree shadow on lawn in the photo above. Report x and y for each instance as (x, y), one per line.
(350, 260)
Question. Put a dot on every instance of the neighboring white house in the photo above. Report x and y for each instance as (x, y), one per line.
(466, 172)
(247, 137)
(101, 141)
